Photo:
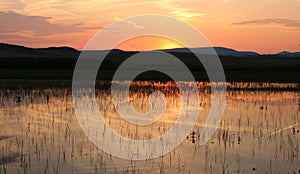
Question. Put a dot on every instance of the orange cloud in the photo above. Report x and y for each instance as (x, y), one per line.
(37, 25)
(73, 22)
(277, 21)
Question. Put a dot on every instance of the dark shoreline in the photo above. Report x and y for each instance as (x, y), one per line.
(237, 69)
(106, 75)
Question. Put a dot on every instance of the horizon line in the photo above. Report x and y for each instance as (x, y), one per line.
(80, 50)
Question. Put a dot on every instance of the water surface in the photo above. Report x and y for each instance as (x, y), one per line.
(259, 132)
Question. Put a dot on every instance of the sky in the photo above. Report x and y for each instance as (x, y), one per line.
(264, 26)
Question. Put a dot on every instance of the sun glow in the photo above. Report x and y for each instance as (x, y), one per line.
(144, 43)
(171, 45)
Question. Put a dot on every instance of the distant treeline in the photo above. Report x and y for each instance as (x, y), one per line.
(254, 68)
(112, 61)
(37, 63)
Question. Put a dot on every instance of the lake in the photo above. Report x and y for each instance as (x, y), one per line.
(259, 131)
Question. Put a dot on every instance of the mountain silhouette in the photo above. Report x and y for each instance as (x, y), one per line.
(19, 62)
(221, 51)
(9, 50)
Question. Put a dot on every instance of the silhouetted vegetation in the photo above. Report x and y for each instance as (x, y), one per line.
(59, 63)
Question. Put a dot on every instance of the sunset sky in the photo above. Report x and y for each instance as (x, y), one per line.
(264, 26)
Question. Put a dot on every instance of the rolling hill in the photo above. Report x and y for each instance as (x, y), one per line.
(9, 50)
(18, 62)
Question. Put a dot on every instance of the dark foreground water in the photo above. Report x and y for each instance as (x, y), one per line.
(259, 132)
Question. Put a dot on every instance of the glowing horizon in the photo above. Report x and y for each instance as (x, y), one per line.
(148, 43)
(262, 26)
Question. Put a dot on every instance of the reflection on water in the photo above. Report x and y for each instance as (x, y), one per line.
(258, 133)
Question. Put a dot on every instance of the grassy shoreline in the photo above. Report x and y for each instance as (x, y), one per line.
(23, 84)
(237, 69)
(231, 76)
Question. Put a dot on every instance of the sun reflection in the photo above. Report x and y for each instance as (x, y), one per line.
(261, 122)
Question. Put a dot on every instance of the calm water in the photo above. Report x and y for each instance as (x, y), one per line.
(259, 132)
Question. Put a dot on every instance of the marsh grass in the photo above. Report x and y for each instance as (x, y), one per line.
(258, 132)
